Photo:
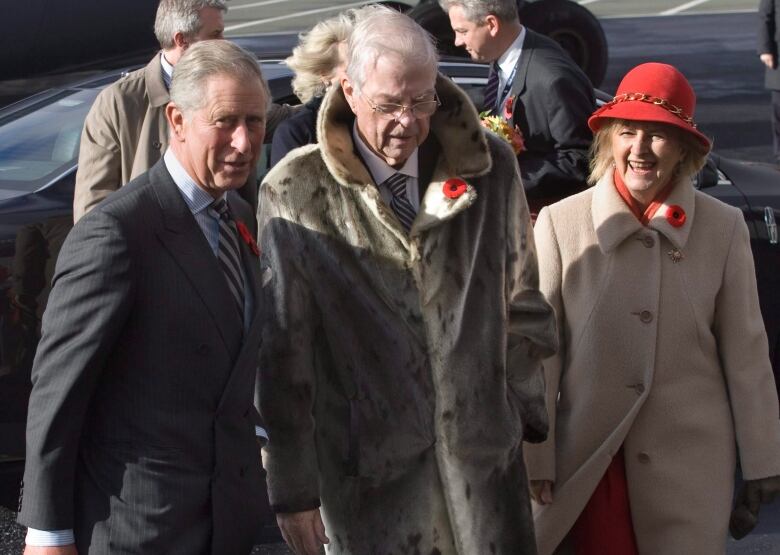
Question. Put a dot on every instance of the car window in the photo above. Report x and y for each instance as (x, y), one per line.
(43, 143)
(474, 87)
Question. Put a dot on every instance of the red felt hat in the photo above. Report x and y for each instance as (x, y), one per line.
(652, 92)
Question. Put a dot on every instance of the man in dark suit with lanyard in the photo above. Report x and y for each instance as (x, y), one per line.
(141, 427)
(536, 86)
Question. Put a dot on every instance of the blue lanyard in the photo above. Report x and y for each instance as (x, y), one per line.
(507, 86)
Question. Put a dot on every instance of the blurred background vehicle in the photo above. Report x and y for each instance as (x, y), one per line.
(45, 39)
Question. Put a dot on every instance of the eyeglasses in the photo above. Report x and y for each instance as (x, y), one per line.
(389, 110)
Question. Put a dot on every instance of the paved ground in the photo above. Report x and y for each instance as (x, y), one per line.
(252, 16)
(717, 54)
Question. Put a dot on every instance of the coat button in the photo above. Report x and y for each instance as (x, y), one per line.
(648, 241)
(646, 316)
(242, 471)
(203, 349)
(644, 458)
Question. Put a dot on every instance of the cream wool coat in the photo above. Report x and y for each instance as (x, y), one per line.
(667, 359)
(399, 373)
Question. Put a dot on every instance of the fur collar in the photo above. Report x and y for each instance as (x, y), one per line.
(456, 125)
(464, 154)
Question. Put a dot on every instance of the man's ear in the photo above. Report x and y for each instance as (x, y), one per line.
(349, 93)
(493, 24)
(180, 41)
(175, 119)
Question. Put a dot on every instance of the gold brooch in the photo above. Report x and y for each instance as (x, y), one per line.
(675, 255)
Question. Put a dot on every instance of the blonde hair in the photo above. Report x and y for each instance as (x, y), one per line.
(317, 55)
(601, 159)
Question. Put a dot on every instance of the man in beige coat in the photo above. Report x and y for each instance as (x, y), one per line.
(125, 132)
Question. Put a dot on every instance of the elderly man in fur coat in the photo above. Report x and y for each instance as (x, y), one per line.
(401, 356)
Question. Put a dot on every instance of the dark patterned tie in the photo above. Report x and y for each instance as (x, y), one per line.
(491, 90)
(229, 252)
(400, 202)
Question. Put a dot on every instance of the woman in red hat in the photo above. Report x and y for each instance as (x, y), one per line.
(663, 378)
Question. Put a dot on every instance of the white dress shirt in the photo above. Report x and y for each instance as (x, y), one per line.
(167, 71)
(507, 65)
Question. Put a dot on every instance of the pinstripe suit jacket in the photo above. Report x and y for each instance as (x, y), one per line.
(140, 434)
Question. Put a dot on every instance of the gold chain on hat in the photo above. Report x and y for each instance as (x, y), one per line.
(662, 102)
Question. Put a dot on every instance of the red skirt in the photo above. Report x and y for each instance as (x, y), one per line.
(604, 527)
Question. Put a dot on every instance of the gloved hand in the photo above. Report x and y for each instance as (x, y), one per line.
(744, 517)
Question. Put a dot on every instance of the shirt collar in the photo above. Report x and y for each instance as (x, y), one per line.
(378, 168)
(196, 198)
(508, 60)
(167, 69)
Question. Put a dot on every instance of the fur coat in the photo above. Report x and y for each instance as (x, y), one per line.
(663, 352)
(400, 372)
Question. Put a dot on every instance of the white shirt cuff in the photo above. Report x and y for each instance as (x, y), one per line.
(49, 538)
(260, 432)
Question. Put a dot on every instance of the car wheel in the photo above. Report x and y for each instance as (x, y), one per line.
(573, 27)
(432, 18)
(402, 7)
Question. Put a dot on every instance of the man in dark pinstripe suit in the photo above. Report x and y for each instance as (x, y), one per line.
(141, 426)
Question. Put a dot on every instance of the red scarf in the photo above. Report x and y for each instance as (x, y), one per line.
(644, 216)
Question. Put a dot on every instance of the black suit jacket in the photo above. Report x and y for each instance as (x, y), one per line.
(552, 100)
(298, 130)
(768, 39)
(140, 433)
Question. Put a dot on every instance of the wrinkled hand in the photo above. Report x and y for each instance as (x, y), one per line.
(768, 59)
(304, 532)
(58, 550)
(541, 491)
(744, 517)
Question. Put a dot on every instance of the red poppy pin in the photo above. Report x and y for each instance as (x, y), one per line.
(247, 237)
(675, 215)
(454, 187)
(509, 107)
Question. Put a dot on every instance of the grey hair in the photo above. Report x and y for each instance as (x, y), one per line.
(181, 16)
(477, 10)
(317, 54)
(206, 59)
(602, 160)
(380, 32)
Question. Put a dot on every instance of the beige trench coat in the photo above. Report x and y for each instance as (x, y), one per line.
(126, 133)
(663, 352)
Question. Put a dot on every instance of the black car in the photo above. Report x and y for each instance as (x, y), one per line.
(39, 141)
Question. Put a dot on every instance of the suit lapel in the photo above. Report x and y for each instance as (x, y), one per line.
(184, 239)
(521, 74)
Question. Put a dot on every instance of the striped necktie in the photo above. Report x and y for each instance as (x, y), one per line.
(400, 204)
(491, 89)
(229, 252)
